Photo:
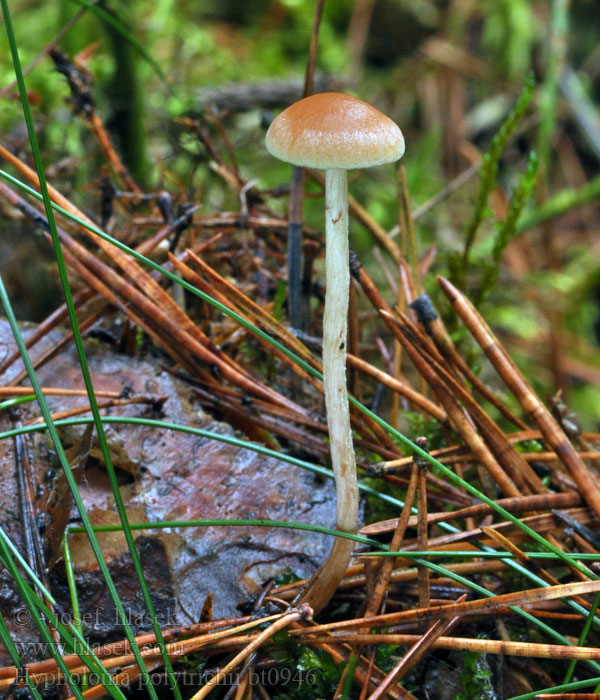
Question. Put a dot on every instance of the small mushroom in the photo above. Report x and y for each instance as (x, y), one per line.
(335, 132)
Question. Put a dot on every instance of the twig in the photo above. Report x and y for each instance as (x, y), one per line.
(522, 504)
(530, 403)
(303, 613)
(46, 50)
(414, 654)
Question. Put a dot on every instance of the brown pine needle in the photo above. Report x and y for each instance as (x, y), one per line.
(55, 391)
(481, 646)
(504, 542)
(174, 650)
(521, 504)
(486, 606)
(413, 397)
(62, 415)
(530, 403)
(414, 655)
(303, 613)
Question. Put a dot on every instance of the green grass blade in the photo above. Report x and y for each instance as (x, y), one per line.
(238, 522)
(91, 396)
(583, 636)
(70, 633)
(39, 612)
(9, 645)
(200, 432)
(558, 689)
(10, 403)
(118, 26)
(72, 585)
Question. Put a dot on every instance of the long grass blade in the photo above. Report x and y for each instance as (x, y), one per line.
(116, 23)
(39, 612)
(89, 387)
(9, 645)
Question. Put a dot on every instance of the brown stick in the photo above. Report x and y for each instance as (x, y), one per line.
(413, 397)
(513, 463)
(54, 391)
(414, 654)
(485, 606)
(534, 408)
(522, 504)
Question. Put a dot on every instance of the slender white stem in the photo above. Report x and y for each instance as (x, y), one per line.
(324, 583)
(335, 322)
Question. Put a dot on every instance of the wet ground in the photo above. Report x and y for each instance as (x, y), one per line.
(164, 475)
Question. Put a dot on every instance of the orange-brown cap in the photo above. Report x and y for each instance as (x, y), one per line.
(332, 130)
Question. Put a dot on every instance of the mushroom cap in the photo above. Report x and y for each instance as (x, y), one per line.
(331, 130)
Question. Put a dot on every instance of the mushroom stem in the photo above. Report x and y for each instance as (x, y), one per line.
(337, 277)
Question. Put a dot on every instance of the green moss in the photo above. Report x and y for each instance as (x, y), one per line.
(303, 673)
(476, 678)
(288, 576)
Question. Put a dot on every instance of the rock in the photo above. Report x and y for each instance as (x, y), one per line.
(164, 475)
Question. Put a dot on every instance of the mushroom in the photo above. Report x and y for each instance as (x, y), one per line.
(335, 132)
